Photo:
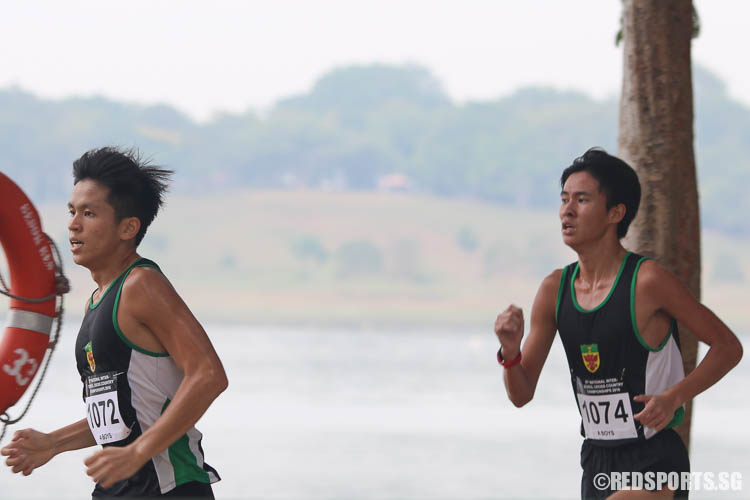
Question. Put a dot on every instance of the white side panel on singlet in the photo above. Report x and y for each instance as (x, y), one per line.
(663, 370)
(154, 380)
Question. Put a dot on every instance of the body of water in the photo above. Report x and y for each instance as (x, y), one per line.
(372, 414)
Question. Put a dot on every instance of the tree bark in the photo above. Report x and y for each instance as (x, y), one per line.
(656, 138)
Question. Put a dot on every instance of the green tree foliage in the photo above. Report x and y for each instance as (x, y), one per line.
(358, 258)
(360, 123)
(352, 94)
(309, 247)
(467, 239)
(722, 130)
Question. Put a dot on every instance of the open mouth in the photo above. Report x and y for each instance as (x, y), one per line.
(75, 244)
(568, 228)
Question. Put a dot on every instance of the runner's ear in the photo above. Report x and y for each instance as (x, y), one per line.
(129, 227)
(616, 213)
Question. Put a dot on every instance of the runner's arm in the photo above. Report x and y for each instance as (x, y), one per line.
(73, 437)
(521, 379)
(30, 449)
(204, 377)
(725, 350)
(157, 306)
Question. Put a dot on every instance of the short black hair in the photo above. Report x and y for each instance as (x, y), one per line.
(136, 188)
(617, 180)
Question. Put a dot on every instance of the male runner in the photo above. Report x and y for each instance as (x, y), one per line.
(148, 369)
(617, 315)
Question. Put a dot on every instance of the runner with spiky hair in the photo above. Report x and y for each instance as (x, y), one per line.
(148, 369)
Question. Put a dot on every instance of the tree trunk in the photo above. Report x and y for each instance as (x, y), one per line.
(656, 138)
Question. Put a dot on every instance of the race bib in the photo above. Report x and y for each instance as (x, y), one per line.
(103, 410)
(606, 414)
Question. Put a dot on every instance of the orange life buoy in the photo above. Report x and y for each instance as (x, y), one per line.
(32, 275)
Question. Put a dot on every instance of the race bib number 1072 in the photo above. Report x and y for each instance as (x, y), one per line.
(102, 409)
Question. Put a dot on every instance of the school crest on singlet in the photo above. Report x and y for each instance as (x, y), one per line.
(590, 355)
(90, 356)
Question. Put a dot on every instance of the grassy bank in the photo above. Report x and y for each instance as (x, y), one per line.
(311, 257)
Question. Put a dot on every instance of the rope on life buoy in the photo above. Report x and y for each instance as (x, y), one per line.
(62, 286)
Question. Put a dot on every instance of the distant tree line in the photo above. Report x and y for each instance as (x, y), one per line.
(360, 124)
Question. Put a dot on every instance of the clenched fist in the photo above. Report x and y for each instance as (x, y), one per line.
(28, 450)
(509, 331)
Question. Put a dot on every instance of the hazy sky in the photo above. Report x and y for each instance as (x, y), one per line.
(204, 57)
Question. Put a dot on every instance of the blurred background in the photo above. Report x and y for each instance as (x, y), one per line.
(360, 188)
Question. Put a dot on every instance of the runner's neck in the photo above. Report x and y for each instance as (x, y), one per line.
(599, 266)
(105, 276)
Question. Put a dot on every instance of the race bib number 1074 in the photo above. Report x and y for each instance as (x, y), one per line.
(607, 416)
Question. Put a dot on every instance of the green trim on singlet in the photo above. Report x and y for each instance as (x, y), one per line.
(114, 315)
(183, 460)
(679, 416)
(611, 291)
(633, 319)
(91, 300)
(560, 291)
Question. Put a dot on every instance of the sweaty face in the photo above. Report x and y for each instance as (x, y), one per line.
(583, 210)
(92, 229)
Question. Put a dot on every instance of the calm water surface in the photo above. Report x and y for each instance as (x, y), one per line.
(373, 414)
